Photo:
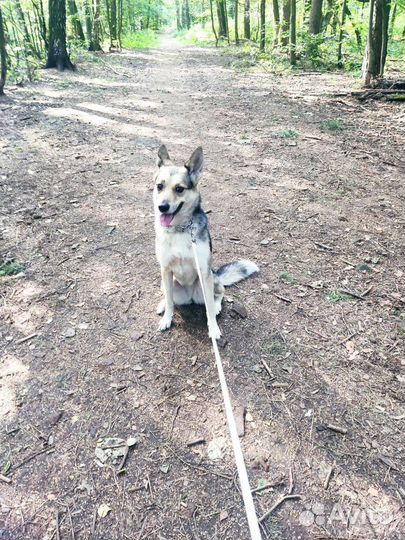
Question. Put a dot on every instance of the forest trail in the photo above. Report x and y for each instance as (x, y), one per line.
(303, 183)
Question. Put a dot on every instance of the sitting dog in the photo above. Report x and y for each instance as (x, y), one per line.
(179, 221)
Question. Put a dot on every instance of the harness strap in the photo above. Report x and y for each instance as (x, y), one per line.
(237, 449)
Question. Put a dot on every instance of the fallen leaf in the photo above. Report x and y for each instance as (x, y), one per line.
(103, 510)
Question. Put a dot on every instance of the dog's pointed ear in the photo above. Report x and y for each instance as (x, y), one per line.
(163, 156)
(195, 164)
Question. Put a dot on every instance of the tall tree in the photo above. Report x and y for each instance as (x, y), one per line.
(179, 26)
(293, 32)
(213, 24)
(377, 40)
(112, 19)
(3, 55)
(246, 19)
(40, 17)
(341, 34)
(285, 23)
(315, 17)
(262, 40)
(57, 52)
(93, 24)
(236, 22)
(276, 21)
(222, 18)
(76, 23)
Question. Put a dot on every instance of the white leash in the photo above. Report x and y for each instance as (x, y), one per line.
(240, 462)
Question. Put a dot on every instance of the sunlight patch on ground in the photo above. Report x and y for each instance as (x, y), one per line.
(12, 374)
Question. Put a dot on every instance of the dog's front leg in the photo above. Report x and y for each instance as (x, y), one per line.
(213, 328)
(167, 286)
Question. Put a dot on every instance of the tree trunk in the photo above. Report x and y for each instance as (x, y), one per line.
(27, 38)
(3, 55)
(222, 18)
(187, 14)
(376, 50)
(178, 18)
(39, 11)
(262, 42)
(276, 22)
(393, 18)
(94, 43)
(57, 53)
(293, 33)
(354, 25)
(213, 24)
(76, 24)
(111, 6)
(285, 25)
(236, 22)
(246, 19)
(341, 34)
(315, 17)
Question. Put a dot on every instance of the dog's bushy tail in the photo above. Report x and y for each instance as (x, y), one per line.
(236, 271)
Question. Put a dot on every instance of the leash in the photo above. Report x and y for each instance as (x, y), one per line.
(237, 449)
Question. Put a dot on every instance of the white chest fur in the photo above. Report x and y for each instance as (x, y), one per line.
(174, 252)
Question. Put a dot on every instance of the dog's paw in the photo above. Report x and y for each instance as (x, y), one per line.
(161, 307)
(218, 308)
(165, 323)
(214, 332)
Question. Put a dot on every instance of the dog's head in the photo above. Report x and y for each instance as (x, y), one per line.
(175, 193)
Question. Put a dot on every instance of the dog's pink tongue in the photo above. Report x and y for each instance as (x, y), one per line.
(166, 219)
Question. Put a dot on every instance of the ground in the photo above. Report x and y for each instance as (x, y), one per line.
(300, 178)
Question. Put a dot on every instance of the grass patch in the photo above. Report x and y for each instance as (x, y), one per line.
(288, 134)
(11, 268)
(276, 347)
(285, 277)
(336, 296)
(333, 125)
(143, 39)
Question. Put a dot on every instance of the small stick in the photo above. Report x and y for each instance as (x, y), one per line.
(174, 420)
(93, 524)
(328, 477)
(32, 456)
(277, 504)
(57, 525)
(351, 293)
(348, 338)
(26, 338)
(196, 442)
(266, 367)
(338, 429)
(323, 246)
(5, 479)
(276, 483)
(365, 293)
(142, 528)
(291, 478)
(283, 298)
(71, 525)
(123, 460)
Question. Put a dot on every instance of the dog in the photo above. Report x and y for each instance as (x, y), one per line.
(180, 221)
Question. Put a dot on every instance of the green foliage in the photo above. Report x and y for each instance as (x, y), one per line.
(11, 268)
(288, 134)
(143, 39)
(336, 296)
(333, 125)
(287, 278)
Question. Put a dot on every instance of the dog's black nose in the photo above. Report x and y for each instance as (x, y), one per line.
(164, 207)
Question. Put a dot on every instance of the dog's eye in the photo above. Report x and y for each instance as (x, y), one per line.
(179, 189)
(159, 187)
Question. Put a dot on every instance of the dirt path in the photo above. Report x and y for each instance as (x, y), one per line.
(320, 210)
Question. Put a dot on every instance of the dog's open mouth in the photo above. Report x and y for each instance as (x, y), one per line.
(166, 219)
